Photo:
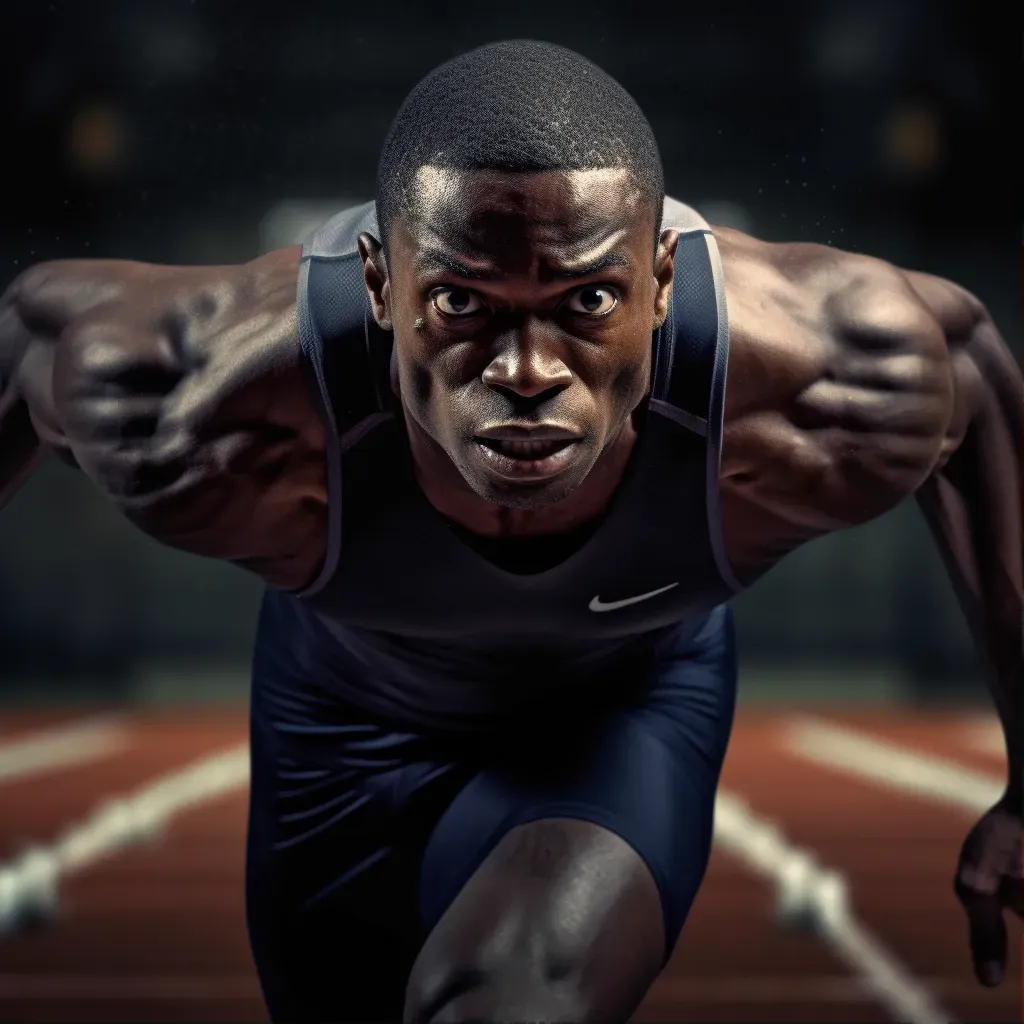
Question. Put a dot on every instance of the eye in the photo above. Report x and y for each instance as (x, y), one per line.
(456, 301)
(592, 300)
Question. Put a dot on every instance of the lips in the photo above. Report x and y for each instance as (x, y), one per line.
(519, 449)
(526, 461)
(526, 454)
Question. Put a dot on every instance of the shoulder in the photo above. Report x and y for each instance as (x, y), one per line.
(840, 376)
(822, 312)
(113, 316)
(852, 294)
(337, 237)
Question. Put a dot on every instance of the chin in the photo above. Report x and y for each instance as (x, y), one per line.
(525, 497)
(499, 488)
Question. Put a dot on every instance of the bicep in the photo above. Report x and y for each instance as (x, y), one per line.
(180, 393)
(216, 453)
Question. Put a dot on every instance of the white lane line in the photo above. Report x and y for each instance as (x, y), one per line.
(63, 746)
(121, 821)
(817, 897)
(29, 885)
(893, 766)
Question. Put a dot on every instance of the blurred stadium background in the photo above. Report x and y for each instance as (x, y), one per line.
(207, 132)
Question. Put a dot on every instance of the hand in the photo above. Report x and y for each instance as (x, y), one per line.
(989, 882)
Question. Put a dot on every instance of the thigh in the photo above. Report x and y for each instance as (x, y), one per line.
(640, 785)
(340, 810)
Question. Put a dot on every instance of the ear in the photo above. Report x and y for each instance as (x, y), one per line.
(664, 264)
(375, 276)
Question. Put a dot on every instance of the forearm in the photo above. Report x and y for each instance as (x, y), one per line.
(973, 505)
(990, 596)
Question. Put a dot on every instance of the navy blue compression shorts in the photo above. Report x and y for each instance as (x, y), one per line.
(361, 834)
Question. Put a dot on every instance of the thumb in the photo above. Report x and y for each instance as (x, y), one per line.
(987, 934)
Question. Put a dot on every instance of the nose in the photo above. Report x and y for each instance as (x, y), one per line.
(527, 366)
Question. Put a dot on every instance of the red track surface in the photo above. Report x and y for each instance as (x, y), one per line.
(156, 933)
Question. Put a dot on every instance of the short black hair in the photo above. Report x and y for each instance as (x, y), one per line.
(516, 105)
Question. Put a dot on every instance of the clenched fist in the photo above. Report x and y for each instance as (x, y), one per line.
(989, 882)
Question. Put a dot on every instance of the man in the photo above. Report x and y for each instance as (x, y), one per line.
(502, 447)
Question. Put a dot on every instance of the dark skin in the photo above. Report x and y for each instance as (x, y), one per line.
(851, 385)
(179, 392)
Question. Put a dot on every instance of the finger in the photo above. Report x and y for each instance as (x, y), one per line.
(987, 934)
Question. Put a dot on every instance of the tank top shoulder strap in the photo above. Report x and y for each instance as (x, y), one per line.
(692, 349)
(691, 356)
(346, 351)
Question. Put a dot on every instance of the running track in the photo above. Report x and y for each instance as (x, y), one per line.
(156, 932)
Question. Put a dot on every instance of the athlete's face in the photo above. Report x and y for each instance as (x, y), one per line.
(522, 307)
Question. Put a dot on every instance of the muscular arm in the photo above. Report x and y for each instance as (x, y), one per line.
(179, 391)
(853, 384)
(972, 500)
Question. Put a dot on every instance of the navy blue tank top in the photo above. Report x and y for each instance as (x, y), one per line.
(415, 619)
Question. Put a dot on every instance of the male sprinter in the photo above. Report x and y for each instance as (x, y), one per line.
(503, 446)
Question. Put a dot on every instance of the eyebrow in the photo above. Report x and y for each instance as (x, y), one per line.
(440, 258)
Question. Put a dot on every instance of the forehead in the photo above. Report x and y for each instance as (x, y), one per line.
(512, 216)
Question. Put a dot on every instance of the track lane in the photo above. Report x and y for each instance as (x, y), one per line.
(42, 805)
(898, 851)
(157, 933)
(956, 735)
(19, 722)
(731, 935)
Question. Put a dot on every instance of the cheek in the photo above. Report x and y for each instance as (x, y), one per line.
(428, 384)
(624, 382)
(628, 386)
(415, 382)
(422, 385)
(628, 369)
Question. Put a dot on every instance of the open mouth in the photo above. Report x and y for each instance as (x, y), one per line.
(527, 450)
(526, 460)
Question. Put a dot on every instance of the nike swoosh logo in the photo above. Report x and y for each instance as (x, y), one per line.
(597, 605)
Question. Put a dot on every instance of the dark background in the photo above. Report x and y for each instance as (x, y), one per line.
(203, 132)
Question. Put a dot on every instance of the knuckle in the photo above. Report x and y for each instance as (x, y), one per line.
(972, 882)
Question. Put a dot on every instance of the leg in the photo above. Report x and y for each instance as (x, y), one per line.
(341, 808)
(538, 931)
(550, 857)
(331, 912)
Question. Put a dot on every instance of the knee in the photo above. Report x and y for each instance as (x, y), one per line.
(535, 934)
(514, 975)
(511, 1006)
(514, 992)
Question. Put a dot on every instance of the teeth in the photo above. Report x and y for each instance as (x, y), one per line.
(528, 449)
